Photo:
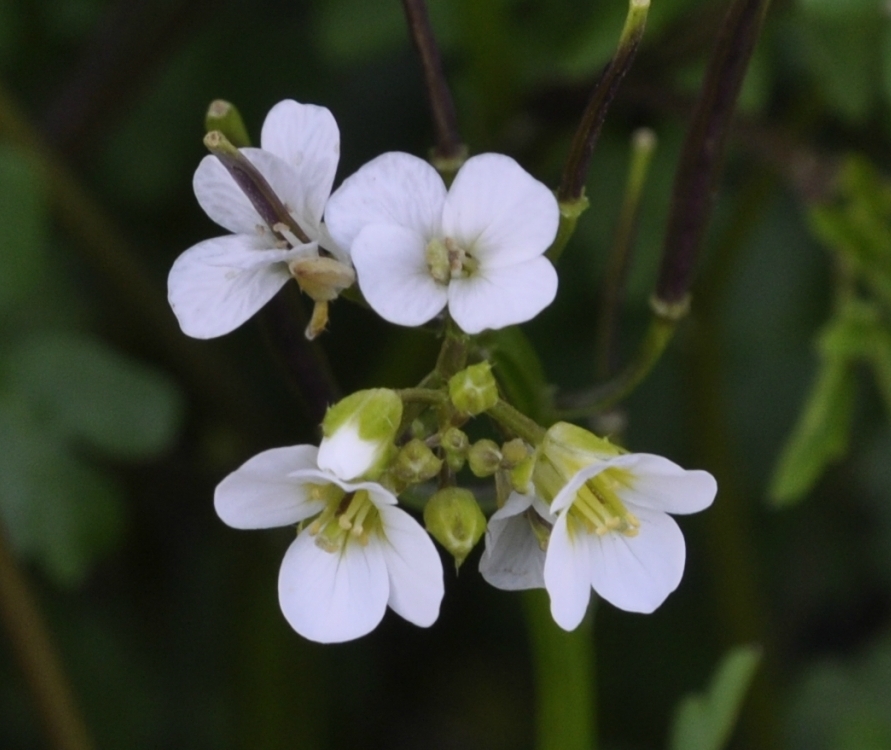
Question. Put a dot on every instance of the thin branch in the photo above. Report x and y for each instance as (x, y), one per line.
(449, 147)
(37, 656)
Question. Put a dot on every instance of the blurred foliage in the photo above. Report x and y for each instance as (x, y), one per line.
(111, 445)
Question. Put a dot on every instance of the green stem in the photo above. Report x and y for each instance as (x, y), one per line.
(33, 646)
(563, 665)
(453, 355)
(570, 211)
(422, 395)
(643, 143)
(518, 423)
(660, 332)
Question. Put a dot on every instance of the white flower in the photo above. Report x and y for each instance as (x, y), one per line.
(613, 534)
(516, 539)
(218, 284)
(359, 555)
(477, 247)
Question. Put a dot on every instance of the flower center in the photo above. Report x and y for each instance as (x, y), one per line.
(447, 260)
(598, 509)
(347, 516)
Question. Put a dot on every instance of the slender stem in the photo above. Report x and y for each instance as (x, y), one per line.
(563, 664)
(422, 395)
(449, 151)
(659, 333)
(37, 656)
(518, 423)
(643, 143)
(576, 170)
(703, 148)
(453, 355)
(569, 216)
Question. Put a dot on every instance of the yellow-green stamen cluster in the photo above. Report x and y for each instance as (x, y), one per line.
(447, 260)
(347, 515)
(598, 509)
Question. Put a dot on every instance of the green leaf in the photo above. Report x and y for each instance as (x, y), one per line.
(23, 222)
(819, 437)
(704, 721)
(84, 391)
(519, 371)
(57, 510)
(842, 8)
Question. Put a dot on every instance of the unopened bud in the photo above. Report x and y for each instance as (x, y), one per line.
(416, 463)
(358, 434)
(484, 458)
(454, 519)
(455, 444)
(514, 452)
(473, 390)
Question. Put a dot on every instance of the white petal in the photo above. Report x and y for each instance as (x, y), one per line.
(499, 212)
(346, 455)
(263, 493)
(513, 559)
(394, 277)
(216, 285)
(222, 199)
(637, 573)
(567, 574)
(661, 484)
(414, 567)
(332, 597)
(327, 241)
(306, 137)
(495, 298)
(396, 189)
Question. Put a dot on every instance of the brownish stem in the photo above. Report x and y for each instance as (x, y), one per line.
(37, 657)
(442, 106)
(703, 149)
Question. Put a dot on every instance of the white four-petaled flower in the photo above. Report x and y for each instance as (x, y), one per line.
(607, 526)
(477, 247)
(358, 555)
(218, 284)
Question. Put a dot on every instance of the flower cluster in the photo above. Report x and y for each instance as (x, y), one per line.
(574, 512)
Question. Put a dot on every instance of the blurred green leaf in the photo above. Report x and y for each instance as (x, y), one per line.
(519, 371)
(704, 721)
(82, 390)
(57, 510)
(842, 8)
(820, 436)
(23, 222)
(843, 55)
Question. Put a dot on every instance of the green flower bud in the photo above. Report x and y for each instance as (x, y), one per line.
(455, 444)
(473, 390)
(484, 458)
(358, 434)
(514, 452)
(454, 519)
(565, 450)
(416, 463)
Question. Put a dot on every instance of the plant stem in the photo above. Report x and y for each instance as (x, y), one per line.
(40, 664)
(563, 664)
(703, 149)
(575, 172)
(518, 423)
(643, 143)
(449, 151)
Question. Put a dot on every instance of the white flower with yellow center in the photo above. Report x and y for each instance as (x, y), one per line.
(477, 247)
(355, 553)
(216, 285)
(612, 530)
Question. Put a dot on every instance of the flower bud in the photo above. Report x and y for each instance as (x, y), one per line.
(454, 519)
(473, 390)
(455, 444)
(565, 450)
(358, 434)
(416, 463)
(484, 458)
(514, 452)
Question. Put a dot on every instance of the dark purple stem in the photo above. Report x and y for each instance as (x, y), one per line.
(703, 148)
